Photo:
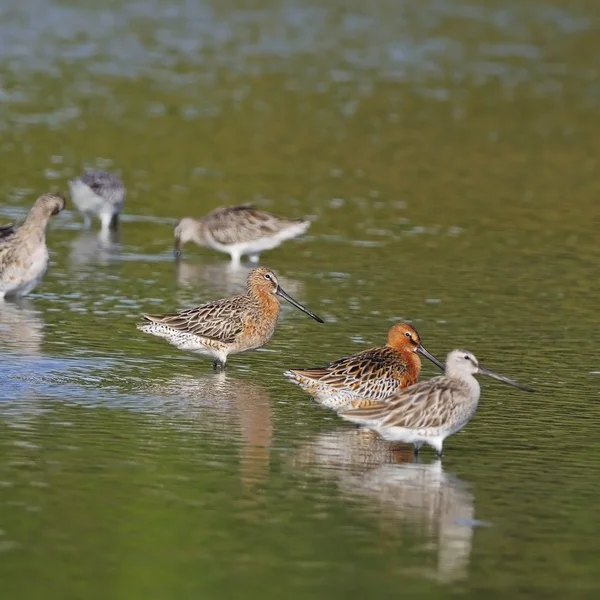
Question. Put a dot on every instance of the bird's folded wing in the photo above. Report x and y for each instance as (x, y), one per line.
(218, 321)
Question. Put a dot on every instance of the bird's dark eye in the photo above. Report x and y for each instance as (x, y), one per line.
(467, 357)
(407, 334)
(267, 276)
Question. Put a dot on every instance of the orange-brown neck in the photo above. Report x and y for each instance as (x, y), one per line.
(413, 368)
(267, 303)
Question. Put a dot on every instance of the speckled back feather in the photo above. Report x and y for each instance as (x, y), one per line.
(373, 374)
(243, 223)
(7, 230)
(433, 404)
(221, 320)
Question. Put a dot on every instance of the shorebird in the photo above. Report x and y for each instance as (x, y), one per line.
(98, 194)
(430, 411)
(370, 376)
(227, 326)
(238, 231)
(23, 251)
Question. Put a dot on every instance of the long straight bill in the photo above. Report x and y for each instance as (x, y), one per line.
(299, 306)
(431, 357)
(503, 379)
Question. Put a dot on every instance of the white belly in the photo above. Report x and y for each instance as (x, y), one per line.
(86, 200)
(260, 243)
(431, 436)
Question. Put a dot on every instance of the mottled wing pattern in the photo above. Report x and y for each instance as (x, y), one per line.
(243, 223)
(6, 250)
(425, 405)
(8, 244)
(7, 230)
(104, 184)
(221, 321)
(374, 374)
(10, 251)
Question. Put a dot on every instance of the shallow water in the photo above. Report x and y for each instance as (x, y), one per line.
(448, 154)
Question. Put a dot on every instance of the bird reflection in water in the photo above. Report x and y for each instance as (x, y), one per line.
(223, 406)
(95, 247)
(438, 505)
(21, 328)
(226, 279)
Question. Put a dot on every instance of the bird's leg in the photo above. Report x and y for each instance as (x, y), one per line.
(218, 365)
(106, 220)
(114, 222)
(87, 221)
(254, 257)
(437, 444)
(235, 259)
(416, 449)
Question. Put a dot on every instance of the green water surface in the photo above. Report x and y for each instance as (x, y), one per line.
(448, 152)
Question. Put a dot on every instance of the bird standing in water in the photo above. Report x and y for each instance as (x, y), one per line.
(430, 411)
(237, 231)
(23, 250)
(370, 376)
(98, 194)
(227, 326)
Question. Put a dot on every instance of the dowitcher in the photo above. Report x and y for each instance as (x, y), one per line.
(227, 326)
(430, 411)
(238, 231)
(23, 251)
(370, 376)
(98, 194)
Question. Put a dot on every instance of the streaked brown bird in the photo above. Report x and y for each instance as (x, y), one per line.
(227, 326)
(370, 376)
